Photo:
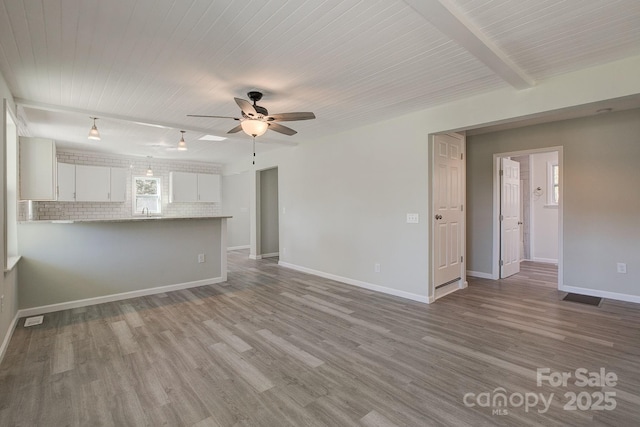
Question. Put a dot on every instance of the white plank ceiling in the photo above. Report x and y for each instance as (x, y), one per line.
(351, 62)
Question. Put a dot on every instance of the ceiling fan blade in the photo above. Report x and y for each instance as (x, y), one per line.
(246, 108)
(236, 129)
(213, 117)
(281, 129)
(289, 117)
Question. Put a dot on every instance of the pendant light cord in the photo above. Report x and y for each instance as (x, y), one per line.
(254, 149)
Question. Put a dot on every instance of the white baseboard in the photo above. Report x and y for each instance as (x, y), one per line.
(358, 283)
(271, 255)
(480, 275)
(34, 311)
(237, 248)
(545, 260)
(255, 256)
(8, 335)
(599, 293)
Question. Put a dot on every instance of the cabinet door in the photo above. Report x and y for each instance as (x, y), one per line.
(118, 184)
(93, 183)
(66, 182)
(208, 188)
(37, 169)
(183, 187)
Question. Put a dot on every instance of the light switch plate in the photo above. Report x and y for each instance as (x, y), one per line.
(412, 218)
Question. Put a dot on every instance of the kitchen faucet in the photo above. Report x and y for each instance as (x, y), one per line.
(146, 209)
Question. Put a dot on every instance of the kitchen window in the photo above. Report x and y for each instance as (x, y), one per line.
(147, 195)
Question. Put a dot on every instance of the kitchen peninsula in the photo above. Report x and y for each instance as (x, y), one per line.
(74, 263)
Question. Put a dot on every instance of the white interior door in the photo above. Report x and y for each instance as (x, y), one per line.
(509, 218)
(447, 209)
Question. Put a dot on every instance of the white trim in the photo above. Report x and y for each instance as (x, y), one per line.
(479, 274)
(8, 335)
(12, 261)
(237, 248)
(34, 311)
(358, 283)
(601, 294)
(271, 255)
(255, 257)
(545, 260)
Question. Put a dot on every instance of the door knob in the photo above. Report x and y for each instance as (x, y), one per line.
(520, 222)
(438, 216)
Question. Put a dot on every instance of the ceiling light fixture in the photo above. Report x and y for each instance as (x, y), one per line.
(254, 127)
(182, 145)
(93, 133)
(149, 171)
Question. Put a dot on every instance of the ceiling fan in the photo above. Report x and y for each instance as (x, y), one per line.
(256, 119)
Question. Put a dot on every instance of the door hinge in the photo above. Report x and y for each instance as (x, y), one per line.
(501, 172)
(461, 156)
(461, 259)
(501, 263)
(501, 218)
(461, 208)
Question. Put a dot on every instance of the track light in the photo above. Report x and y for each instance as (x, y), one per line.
(93, 133)
(182, 145)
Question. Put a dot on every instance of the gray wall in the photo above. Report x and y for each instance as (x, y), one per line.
(601, 197)
(236, 201)
(68, 262)
(269, 232)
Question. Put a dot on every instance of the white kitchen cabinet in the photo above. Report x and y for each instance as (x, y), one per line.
(93, 183)
(194, 187)
(183, 187)
(118, 180)
(66, 182)
(208, 188)
(37, 169)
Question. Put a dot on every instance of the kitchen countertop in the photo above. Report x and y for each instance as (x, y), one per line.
(130, 219)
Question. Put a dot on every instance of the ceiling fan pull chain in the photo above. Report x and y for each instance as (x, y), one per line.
(254, 150)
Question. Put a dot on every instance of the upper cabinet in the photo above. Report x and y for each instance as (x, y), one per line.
(83, 183)
(208, 188)
(93, 184)
(193, 187)
(37, 169)
(66, 182)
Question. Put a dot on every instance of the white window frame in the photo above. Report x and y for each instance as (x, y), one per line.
(552, 184)
(158, 196)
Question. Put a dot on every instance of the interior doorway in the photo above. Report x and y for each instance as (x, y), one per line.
(267, 216)
(528, 229)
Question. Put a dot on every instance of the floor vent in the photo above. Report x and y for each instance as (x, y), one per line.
(583, 299)
(33, 321)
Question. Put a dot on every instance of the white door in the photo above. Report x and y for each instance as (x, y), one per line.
(509, 218)
(447, 209)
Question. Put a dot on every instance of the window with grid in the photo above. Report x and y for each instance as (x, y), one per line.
(147, 195)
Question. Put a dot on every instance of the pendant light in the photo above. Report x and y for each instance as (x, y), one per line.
(93, 133)
(149, 171)
(182, 145)
(254, 127)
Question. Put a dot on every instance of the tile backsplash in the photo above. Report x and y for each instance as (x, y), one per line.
(137, 167)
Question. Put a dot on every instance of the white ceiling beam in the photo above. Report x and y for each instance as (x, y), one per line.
(144, 122)
(450, 21)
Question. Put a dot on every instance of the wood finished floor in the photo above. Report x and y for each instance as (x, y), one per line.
(274, 347)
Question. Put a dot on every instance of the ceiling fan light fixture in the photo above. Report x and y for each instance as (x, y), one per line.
(253, 127)
(93, 133)
(182, 145)
(149, 170)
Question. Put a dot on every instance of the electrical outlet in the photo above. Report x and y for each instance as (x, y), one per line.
(200, 258)
(412, 218)
(376, 267)
(622, 268)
